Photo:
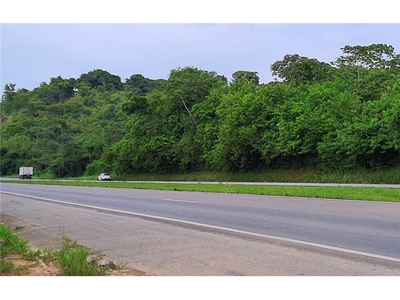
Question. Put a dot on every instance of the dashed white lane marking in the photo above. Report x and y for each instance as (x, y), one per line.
(175, 200)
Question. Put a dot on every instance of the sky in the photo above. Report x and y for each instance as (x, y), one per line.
(35, 49)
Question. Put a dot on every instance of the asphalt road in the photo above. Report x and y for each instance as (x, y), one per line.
(357, 227)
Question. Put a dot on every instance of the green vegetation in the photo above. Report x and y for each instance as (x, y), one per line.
(72, 259)
(349, 193)
(341, 117)
(10, 243)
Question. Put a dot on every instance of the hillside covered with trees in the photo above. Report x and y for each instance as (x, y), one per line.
(342, 115)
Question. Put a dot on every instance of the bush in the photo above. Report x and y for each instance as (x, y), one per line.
(96, 167)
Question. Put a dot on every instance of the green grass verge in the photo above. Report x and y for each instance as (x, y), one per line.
(349, 193)
(10, 243)
(72, 259)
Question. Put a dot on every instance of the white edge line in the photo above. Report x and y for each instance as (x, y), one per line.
(349, 251)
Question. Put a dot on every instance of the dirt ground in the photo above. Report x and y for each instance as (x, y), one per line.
(37, 239)
(40, 268)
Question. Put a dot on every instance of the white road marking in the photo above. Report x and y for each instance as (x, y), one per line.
(175, 200)
(322, 246)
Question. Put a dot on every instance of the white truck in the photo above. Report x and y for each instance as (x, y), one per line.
(25, 172)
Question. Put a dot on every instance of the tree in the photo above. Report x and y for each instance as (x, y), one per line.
(7, 98)
(246, 75)
(99, 79)
(299, 69)
(319, 116)
(237, 130)
(136, 104)
(72, 161)
(205, 114)
(9, 90)
(65, 86)
(12, 100)
(141, 86)
(188, 86)
(375, 56)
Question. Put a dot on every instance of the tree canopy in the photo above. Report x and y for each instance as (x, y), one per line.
(343, 115)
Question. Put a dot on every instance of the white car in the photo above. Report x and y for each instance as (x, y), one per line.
(104, 176)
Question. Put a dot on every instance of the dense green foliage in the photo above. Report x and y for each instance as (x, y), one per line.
(337, 116)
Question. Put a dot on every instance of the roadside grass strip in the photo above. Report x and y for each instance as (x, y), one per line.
(12, 244)
(71, 260)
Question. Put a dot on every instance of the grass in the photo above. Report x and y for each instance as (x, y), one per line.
(349, 193)
(72, 259)
(11, 243)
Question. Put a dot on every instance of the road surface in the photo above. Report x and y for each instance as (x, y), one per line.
(367, 230)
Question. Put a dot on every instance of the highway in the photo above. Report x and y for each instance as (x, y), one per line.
(357, 227)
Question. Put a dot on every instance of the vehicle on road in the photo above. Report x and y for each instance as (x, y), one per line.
(25, 172)
(104, 176)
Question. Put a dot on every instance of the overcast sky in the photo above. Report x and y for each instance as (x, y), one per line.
(33, 53)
